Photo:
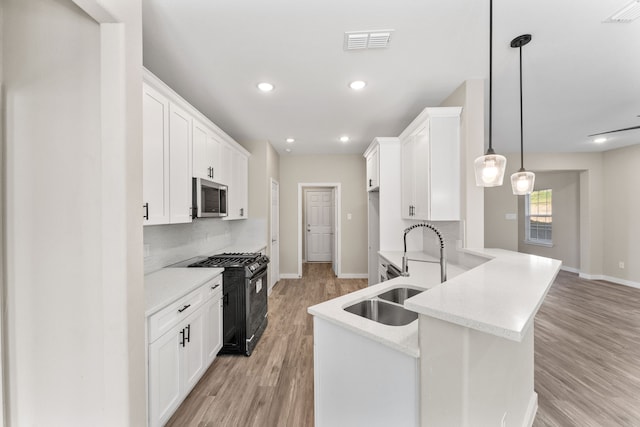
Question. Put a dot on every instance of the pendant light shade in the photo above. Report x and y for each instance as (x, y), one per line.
(489, 169)
(522, 181)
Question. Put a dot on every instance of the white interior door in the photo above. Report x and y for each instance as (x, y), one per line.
(275, 235)
(319, 225)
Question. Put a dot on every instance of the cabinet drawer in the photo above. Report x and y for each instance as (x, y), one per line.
(169, 316)
(213, 288)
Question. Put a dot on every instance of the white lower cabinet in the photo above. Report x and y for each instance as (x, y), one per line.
(359, 382)
(179, 357)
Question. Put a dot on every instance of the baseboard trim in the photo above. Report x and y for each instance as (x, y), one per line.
(532, 409)
(611, 279)
(354, 276)
(570, 269)
(289, 276)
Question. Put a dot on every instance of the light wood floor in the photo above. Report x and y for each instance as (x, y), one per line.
(587, 359)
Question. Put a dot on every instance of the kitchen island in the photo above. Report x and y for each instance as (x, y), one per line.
(466, 360)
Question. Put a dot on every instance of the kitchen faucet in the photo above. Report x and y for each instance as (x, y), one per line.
(405, 260)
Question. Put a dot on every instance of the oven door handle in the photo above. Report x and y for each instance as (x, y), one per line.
(251, 339)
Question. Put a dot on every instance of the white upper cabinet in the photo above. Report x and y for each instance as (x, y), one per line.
(155, 149)
(179, 165)
(373, 168)
(166, 163)
(206, 153)
(431, 166)
(238, 192)
(179, 143)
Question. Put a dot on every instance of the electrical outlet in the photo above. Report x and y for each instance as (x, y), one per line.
(349, 216)
(511, 216)
(621, 264)
(147, 251)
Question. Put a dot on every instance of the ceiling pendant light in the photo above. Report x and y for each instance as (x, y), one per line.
(489, 169)
(521, 181)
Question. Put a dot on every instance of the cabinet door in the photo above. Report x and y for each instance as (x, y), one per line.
(179, 165)
(164, 377)
(372, 170)
(193, 365)
(213, 328)
(238, 187)
(214, 150)
(226, 166)
(444, 186)
(202, 161)
(155, 156)
(407, 177)
(421, 175)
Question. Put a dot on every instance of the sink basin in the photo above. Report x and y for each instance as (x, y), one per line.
(398, 295)
(383, 312)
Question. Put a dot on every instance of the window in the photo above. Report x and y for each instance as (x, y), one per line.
(538, 218)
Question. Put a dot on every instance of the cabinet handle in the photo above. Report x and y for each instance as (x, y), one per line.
(370, 183)
(213, 288)
(225, 299)
(241, 211)
(180, 310)
(213, 174)
(182, 337)
(146, 211)
(189, 333)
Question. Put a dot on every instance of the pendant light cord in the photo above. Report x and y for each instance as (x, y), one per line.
(490, 71)
(521, 121)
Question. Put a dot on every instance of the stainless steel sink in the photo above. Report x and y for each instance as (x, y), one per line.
(398, 295)
(383, 312)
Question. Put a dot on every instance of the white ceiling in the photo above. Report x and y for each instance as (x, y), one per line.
(581, 76)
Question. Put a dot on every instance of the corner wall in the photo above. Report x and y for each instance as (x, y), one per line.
(72, 113)
(502, 233)
(350, 171)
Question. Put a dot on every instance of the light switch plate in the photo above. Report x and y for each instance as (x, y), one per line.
(511, 216)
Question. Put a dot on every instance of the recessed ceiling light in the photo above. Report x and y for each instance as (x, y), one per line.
(290, 140)
(344, 138)
(357, 85)
(265, 87)
(600, 140)
(288, 150)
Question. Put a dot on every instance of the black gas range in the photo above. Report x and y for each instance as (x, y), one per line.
(244, 290)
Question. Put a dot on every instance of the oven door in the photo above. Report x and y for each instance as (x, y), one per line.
(256, 315)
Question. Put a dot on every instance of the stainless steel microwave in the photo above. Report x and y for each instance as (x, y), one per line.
(209, 199)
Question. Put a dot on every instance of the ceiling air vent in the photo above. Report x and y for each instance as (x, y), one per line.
(628, 13)
(355, 40)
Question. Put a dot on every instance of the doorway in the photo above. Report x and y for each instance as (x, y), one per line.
(319, 224)
(275, 235)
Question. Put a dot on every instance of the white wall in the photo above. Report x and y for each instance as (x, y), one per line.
(470, 96)
(621, 212)
(566, 219)
(349, 170)
(75, 308)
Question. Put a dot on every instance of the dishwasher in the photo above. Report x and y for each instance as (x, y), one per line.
(392, 272)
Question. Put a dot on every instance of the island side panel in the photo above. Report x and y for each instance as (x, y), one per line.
(360, 382)
(470, 378)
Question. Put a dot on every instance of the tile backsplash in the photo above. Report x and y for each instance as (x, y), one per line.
(169, 244)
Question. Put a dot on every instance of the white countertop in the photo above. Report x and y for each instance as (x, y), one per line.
(402, 338)
(500, 297)
(165, 286)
